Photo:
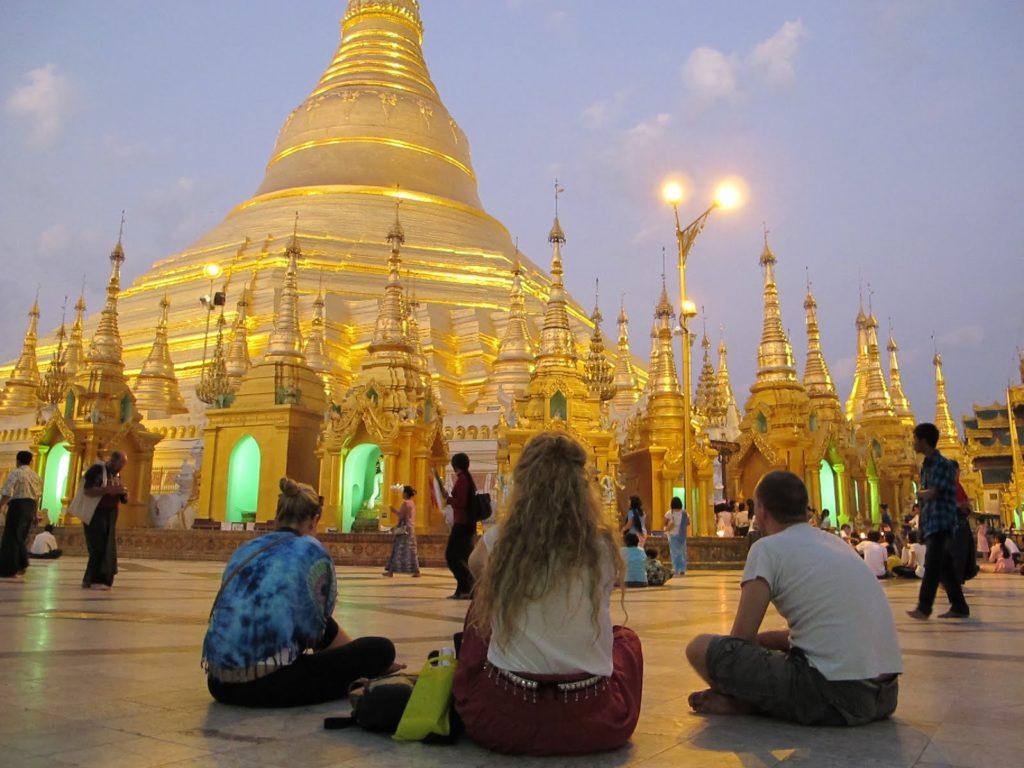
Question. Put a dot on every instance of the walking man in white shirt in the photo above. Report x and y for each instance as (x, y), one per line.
(21, 493)
(839, 660)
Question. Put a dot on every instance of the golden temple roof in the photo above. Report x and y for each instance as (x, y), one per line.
(949, 436)
(286, 338)
(557, 343)
(900, 403)
(663, 361)
(74, 357)
(817, 377)
(105, 351)
(627, 388)
(877, 402)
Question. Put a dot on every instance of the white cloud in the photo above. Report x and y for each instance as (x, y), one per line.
(710, 74)
(42, 100)
(970, 335)
(772, 59)
(647, 131)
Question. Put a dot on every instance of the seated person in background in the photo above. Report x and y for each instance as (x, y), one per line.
(874, 554)
(912, 560)
(636, 561)
(271, 641)
(838, 662)
(44, 545)
(1011, 545)
(1001, 556)
(657, 574)
(846, 532)
(542, 671)
(741, 520)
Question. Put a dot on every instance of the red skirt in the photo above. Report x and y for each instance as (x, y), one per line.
(598, 719)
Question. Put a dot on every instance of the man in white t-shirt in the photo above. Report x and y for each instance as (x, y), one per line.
(44, 545)
(839, 660)
(874, 554)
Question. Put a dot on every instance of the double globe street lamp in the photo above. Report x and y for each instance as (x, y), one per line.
(729, 194)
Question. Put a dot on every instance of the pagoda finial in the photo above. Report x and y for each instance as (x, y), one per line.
(316, 343)
(663, 369)
(21, 392)
(391, 327)
(598, 373)
(707, 391)
(726, 413)
(817, 377)
(105, 348)
(900, 403)
(775, 364)
(54, 383)
(74, 356)
(948, 433)
(627, 390)
(877, 400)
(238, 361)
(557, 344)
(556, 235)
(156, 388)
(285, 342)
(396, 235)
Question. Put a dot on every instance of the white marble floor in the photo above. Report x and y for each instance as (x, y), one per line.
(111, 679)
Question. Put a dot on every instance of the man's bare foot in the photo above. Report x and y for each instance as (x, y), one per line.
(396, 667)
(916, 614)
(709, 702)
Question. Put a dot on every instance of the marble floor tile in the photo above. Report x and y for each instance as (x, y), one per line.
(112, 680)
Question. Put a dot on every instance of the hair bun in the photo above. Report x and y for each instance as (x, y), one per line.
(289, 487)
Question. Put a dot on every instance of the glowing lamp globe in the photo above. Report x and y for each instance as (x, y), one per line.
(672, 192)
(729, 195)
(689, 308)
(212, 271)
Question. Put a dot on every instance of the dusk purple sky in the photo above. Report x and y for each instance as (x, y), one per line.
(877, 138)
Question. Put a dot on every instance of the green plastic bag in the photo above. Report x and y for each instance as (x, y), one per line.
(429, 708)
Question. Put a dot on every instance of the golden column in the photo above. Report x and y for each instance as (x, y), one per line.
(727, 196)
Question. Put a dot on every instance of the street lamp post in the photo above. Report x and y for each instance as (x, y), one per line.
(726, 196)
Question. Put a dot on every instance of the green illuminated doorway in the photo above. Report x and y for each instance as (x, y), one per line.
(827, 480)
(243, 481)
(358, 481)
(58, 462)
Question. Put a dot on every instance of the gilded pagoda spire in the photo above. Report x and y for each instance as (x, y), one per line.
(598, 373)
(419, 358)
(625, 379)
(54, 382)
(21, 392)
(285, 341)
(948, 433)
(727, 412)
(876, 396)
(238, 361)
(75, 355)
(817, 378)
(316, 343)
(707, 391)
(105, 352)
(513, 365)
(663, 369)
(156, 387)
(858, 390)
(390, 328)
(775, 364)
(899, 399)
(557, 344)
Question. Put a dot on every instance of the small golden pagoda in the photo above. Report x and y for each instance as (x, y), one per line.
(900, 403)
(626, 380)
(776, 420)
(269, 429)
(724, 422)
(558, 396)
(238, 361)
(513, 365)
(652, 453)
(156, 387)
(855, 402)
(950, 444)
(99, 416)
(386, 430)
(833, 448)
(21, 391)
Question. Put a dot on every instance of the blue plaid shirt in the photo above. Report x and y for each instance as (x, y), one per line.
(939, 514)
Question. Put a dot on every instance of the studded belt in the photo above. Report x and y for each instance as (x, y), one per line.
(529, 688)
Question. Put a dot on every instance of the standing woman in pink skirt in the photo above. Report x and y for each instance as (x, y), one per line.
(542, 671)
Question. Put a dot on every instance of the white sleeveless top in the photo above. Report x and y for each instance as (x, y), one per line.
(556, 634)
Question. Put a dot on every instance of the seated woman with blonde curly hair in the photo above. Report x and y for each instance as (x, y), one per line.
(271, 641)
(542, 671)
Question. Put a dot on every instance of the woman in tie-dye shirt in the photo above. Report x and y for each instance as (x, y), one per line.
(272, 641)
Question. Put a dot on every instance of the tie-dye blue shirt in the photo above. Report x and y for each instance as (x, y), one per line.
(273, 610)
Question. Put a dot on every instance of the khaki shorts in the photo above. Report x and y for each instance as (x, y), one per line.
(787, 687)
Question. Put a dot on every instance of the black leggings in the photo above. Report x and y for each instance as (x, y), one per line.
(456, 555)
(313, 678)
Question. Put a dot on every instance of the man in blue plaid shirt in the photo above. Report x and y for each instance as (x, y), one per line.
(939, 518)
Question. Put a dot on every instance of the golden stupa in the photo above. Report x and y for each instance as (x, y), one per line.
(373, 130)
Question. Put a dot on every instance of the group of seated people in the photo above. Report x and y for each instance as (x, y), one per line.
(542, 668)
